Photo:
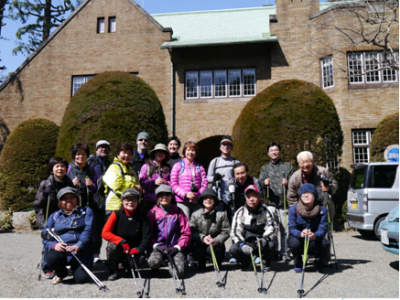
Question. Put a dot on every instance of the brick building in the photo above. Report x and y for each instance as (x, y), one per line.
(204, 66)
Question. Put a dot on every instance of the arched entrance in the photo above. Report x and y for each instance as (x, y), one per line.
(208, 149)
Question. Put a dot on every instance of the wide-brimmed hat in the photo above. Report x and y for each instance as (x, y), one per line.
(67, 190)
(160, 147)
(308, 188)
(208, 192)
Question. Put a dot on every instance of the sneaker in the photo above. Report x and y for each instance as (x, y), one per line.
(49, 275)
(267, 269)
(298, 270)
(113, 275)
(286, 258)
(256, 260)
(96, 258)
(233, 260)
(56, 280)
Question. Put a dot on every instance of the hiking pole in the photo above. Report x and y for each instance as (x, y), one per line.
(267, 195)
(262, 289)
(134, 277)
(40, 264)
(146, 294)
(255, 273)
(285, 228)
(94, 278)
(330, 235)
(300, 291)
(181, 289)
(219, 282)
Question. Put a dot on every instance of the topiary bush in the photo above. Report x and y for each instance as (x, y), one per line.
(23, 162)
(112, 106)
(386, 134)
(296, 114)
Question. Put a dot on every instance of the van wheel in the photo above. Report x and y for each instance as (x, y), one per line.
(366, 233)
(376, 231)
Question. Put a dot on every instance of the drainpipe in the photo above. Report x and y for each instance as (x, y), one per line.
(172, 100)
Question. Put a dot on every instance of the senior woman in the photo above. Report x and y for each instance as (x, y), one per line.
(307, 217)
(154, 173)
(170, 232)
(188, 180)
(209, 225)
(118, 178)
(81, 174)
(74, 224)
(127, 232)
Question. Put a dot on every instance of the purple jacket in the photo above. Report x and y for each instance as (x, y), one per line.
(169, 229)
(148, 183)
(181, 184)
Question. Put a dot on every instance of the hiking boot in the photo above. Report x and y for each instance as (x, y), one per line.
(297, 270)
(286, 258)
(96, 258)
(49, 275)
(233, 260)
(56, 280)
(113, 275)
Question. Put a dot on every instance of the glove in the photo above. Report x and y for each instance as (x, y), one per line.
(125, 246)
(162, 248)
(217, 177)
(134, 251)
(263, 242)
(247, 250)
(173, 250)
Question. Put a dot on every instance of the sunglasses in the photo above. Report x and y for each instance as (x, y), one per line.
(143, 140)
(163, 194)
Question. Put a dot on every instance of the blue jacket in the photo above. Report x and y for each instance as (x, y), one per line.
(319, 225)
(75, 229)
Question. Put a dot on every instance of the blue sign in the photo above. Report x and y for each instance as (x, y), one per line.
(393, 154)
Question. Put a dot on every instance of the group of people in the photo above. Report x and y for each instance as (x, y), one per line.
(156, 205)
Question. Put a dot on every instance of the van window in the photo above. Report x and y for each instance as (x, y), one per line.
(357, 178)
(383, 176)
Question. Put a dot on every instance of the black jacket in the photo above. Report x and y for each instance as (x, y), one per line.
(174, 159)
(138, 162)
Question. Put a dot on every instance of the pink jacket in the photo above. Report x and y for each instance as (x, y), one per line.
(181, 184)
(148, 183)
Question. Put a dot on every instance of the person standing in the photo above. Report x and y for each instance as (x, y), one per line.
(221, 168)
(275, 176)
(174, 144)
(140, 156)
(310, 173)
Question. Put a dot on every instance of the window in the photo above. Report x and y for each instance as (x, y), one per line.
(361, 141)
(220, 83)
(383, 176)
(358, 178)
(327, 72)
(78, 81)
(368, 68)
(112, 23)
(100, 25)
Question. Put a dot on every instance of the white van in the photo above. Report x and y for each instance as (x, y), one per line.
(373, 193)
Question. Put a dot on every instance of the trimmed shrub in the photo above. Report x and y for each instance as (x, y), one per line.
(386, 134)
(296, 114)
(24, 160)
(112, 106)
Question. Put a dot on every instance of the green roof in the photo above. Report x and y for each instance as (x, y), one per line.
(216, 27)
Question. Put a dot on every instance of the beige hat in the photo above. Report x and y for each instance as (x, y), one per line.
(160, 147)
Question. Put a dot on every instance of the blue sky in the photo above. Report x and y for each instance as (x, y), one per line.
(152, 6)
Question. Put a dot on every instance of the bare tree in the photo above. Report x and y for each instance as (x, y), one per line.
(47, 17)
(3, 4)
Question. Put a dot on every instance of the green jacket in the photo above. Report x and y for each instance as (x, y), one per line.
(275, 171)
(219, 229)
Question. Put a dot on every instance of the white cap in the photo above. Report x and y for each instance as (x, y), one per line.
(102, 142)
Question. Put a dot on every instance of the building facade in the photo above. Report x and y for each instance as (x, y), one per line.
(205, 66)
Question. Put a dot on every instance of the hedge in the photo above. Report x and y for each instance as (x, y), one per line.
(24, 160)
(112, 106)
(386, 134)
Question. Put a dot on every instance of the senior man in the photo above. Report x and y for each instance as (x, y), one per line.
(310, 173)
(253, 227)
(141, 155)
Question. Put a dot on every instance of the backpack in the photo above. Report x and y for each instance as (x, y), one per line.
(99, 198)
(182, 168)
(220, 167)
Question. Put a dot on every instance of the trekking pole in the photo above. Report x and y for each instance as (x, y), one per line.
(47, 209)
(285, 229)
(255, 273)
(87, 193)
(146, 294)
(268, 195)
(262, 289)
(40, 265)
(219, 282)
(94, 278)
(134, 277)
(181, 289)
(300, 291)
(330, 235)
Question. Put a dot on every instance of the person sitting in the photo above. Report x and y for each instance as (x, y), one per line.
(127, 232)
(154, 173)
(251, 223)
(170, 232)
(74, 225)
(46, 201)
(209, 226)
(308, 217)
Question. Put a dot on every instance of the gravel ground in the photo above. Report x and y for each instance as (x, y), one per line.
(365, 271)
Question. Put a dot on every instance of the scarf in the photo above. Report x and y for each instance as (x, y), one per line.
(308, 214)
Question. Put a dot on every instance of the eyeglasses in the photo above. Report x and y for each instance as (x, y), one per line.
(306, 162)
(103, 147)
(163, 194)
(226, 145)
(143, 140)
(130, 200)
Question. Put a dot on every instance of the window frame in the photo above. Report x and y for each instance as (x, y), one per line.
(110, 24)
(323, 77)
(86, 79)
(99, 19)
(366, 145)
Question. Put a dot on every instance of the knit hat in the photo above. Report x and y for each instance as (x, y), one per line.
(308, 188)
(67, 190)
(251, 187)
(102, 142)
(130, 192)
(143, 135)
(160, 147)
(208, 192)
